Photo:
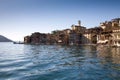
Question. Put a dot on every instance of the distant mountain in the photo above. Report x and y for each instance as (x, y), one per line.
(4, 39)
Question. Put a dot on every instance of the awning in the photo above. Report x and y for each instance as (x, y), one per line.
(59, 41)
(102, 41)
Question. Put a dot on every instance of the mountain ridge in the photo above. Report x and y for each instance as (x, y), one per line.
(4, 39)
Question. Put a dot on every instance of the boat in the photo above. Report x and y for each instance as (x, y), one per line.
(18, 42)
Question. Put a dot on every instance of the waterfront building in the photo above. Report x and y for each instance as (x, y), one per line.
(74, 38)
(35, 38)
(78, 28)
(116, 37)
(110, 34)
(75, 35)
(107, 33)
(66, 36)
(90, 35)
(27, 39)
(51, 39)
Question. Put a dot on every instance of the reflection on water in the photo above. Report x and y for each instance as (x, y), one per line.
(55, 62)
(109, 54)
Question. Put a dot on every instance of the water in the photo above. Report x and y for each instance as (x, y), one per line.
(55, 62)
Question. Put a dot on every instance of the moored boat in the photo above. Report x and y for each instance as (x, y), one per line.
(18, 42)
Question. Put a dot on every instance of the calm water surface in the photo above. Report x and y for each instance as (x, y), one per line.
(55, 62)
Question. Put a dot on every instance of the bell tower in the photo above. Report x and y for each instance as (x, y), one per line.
(119, 23)
(79, 23)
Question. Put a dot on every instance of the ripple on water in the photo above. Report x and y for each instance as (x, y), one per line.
(53, 62)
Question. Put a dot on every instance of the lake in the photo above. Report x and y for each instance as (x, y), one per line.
(56, 62)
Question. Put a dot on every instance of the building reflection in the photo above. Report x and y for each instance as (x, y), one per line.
(116, 55)
(108, 54)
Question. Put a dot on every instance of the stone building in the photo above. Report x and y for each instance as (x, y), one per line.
(107, 33)
(65, 39)
(27, 39)
(74, 38)
(90, 35)
(116, 37)
(58, 36)
(75, 35)
(78, 28)
(110, 33)
(36, 38)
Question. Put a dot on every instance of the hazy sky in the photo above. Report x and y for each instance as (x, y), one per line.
(19, 18)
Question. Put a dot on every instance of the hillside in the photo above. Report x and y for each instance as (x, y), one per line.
(4, 39)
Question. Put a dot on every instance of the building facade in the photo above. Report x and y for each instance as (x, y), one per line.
(107, 33)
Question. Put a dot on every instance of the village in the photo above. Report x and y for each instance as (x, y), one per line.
(107, 33)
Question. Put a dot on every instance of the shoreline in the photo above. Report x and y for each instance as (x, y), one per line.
(73, 44)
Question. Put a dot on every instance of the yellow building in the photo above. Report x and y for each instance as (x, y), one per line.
(116, 37)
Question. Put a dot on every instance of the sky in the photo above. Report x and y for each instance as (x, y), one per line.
(19, 18)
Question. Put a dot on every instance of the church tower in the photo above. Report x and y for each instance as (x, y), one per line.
(79, 23)
(119, 23)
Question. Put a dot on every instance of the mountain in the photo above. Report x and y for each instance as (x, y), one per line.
(4, 39)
